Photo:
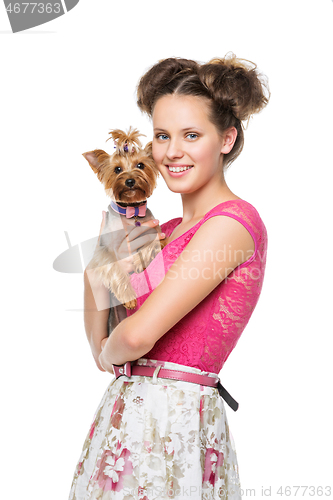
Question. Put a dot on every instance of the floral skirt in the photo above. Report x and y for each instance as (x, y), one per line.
(156, 438)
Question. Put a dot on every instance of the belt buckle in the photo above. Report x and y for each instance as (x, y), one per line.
(125, 369)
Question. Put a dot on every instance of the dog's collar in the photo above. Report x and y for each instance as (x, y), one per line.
(129, 211)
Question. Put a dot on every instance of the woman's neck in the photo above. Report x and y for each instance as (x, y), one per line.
(198, 203)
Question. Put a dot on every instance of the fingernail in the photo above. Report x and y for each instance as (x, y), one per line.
(155, 221)
(162, 235)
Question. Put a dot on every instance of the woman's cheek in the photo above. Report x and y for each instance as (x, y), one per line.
(156, 152)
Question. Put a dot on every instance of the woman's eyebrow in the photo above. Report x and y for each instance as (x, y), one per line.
(190, 128)
(182, 130)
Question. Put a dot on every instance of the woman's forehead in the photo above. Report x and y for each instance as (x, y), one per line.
(181, 110)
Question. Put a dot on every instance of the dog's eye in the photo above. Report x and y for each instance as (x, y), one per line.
(140, 165)
(117, 170)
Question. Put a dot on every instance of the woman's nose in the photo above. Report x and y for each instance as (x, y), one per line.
(174, 150)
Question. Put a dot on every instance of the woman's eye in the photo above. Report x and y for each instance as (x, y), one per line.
(192, 136)
(117, 170)
(140, 165)
(162, 136)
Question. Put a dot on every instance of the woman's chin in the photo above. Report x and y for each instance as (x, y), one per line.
(180, 190)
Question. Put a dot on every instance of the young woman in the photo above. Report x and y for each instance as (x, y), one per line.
(154, 436)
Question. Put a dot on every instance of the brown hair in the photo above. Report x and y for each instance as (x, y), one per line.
(233, 86)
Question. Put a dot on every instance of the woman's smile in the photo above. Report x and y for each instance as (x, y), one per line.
(186, 144)
(175, 168)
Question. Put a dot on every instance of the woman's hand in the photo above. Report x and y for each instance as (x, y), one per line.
(135, 237)
(110, 370)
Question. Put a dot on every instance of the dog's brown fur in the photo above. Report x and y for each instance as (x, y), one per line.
(129, 177)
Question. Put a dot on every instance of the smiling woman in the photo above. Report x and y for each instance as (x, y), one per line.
(161, 429)
(201, 145)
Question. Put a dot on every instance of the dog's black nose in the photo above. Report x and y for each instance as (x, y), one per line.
(130, 182)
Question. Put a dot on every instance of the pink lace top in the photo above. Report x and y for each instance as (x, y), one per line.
(205, 337)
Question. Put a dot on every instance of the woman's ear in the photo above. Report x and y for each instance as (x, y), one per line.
(229, 138)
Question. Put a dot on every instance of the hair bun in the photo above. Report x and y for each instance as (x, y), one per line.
(233, 87)
(236, 85)
(163, 75)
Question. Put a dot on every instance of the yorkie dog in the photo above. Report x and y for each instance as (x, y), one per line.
(129, 177)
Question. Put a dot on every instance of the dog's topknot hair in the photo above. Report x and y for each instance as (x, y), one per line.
(126, 143)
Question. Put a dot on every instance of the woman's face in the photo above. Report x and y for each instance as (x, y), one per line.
(185, 138)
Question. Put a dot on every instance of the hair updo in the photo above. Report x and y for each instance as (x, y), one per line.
(234, 88)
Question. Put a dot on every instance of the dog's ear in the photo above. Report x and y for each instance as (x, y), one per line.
(149, 149)
(96, 158)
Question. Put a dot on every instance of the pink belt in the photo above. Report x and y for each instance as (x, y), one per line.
(148, 371)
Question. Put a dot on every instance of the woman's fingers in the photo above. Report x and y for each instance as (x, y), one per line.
(147, 227)
(128, 248)
(138, 237)
(144, 239)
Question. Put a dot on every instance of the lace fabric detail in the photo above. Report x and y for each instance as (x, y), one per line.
(206, 336)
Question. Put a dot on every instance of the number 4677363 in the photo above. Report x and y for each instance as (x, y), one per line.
(31, 7)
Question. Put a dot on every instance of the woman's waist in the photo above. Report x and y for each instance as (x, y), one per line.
(147, 367)
(170, 365)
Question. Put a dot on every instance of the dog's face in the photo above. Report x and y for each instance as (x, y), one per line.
(130, 174)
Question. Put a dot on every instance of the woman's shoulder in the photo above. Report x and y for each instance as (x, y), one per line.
(245, 213)
(237, 205)
(240, 210)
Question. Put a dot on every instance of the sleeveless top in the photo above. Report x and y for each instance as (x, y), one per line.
(205, 337)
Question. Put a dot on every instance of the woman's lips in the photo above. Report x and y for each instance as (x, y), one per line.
(175, 169)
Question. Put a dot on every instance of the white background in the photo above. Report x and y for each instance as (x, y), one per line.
(64, 85)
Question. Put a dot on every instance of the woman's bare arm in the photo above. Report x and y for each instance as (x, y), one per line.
(95, 320)
(195, 273)
(96, 295)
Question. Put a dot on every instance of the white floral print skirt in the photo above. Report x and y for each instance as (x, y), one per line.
(158, 439)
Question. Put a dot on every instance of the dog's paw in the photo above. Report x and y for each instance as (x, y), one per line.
(131, 304)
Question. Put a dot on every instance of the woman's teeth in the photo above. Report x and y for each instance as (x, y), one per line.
(179, 169)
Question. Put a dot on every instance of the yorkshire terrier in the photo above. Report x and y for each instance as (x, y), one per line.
(129, 177)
